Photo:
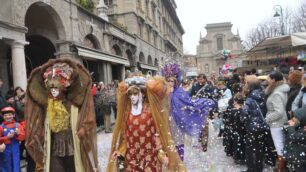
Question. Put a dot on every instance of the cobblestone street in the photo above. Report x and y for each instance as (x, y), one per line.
(214, 160)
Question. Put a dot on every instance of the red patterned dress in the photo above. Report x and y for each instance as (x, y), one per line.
(141, 155)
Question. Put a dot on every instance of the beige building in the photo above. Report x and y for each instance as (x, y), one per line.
(155, 25)
(209, 51)
(190, 67)
(33, 31)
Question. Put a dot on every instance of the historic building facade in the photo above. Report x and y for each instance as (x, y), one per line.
(155, 25)
(190, 67)
(33, 31)
(210, 50)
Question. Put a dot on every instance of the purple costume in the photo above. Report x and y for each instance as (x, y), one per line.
(187, 115)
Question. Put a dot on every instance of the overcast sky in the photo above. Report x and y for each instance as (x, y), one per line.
(243, 14)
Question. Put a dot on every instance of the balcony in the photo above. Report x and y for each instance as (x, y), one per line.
(169, 42)
(112, 9)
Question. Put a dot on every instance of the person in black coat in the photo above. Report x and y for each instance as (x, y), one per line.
(203, 89)
(229, 122)
(295, 82)
(256, 128)
(295, 141)
(238, 136)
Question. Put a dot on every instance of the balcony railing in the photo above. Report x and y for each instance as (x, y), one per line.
(112, 9)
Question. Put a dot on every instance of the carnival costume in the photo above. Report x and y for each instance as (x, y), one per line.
(59, 111)
(187, 115)
(10, 160)
(139, 128)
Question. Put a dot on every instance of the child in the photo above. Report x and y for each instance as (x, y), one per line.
(11, 133)
(238, 130)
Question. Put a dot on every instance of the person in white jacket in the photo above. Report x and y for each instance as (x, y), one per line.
(276, 117)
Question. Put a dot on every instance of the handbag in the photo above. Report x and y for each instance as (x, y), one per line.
(260, 123)
(2, 147)
(223, 104)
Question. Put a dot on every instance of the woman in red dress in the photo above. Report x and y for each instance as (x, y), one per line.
(141, 140)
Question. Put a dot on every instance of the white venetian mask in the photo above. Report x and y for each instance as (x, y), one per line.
(54, 92)
(134, 99)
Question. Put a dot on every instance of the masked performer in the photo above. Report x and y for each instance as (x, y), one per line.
(142, 141)
(187, 115)
(61, 126)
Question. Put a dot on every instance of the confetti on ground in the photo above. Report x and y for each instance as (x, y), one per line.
(214, 160)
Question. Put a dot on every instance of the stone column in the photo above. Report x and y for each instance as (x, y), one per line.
(19, 64)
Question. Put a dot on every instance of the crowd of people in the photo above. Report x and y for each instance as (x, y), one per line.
(105, 104)
(261, 120)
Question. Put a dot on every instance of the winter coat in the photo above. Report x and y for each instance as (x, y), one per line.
(295, 142)
(206, 92)
(276, 106)
(300, 100)
(294, 91)
(252, 115)
(234, 132)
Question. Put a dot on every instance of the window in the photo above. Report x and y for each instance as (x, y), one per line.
(219, 43)
(138, 4)
(150, 60)
(147, 8)
(148, 35)
(155, 62)
(206, 68)
(141, 57)
(154, 39)
(160, 24)
(108, 2)
(140, 29)
(153, 13)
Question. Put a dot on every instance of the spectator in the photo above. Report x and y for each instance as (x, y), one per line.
(94, 89)
(253, 119)
(11, 133)
(223, 95)
(112, 96)
(186, 85)
(98, 104)
(202, 89)
(2, 99)
(277, 92)
(295, 146)
(295, 83)
(300, 100)
(18, 92)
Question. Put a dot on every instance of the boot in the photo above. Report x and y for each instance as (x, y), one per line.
(281, 164)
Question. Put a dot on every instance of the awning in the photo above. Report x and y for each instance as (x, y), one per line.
(294, 40)
(96, 54)
(150, 67)
(192, 73)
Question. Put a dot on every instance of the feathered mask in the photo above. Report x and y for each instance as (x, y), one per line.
(172, 70)
(58, 75)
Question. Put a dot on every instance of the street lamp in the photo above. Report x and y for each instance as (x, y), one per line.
(279, 13)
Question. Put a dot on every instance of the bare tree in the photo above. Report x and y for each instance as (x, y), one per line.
(299, 20)
(270, 28)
